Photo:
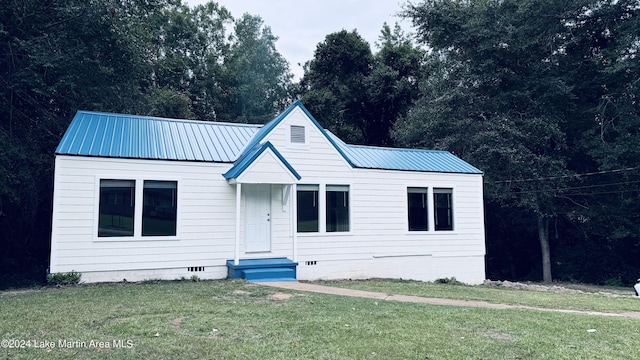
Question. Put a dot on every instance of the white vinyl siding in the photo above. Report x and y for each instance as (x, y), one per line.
(378, 242)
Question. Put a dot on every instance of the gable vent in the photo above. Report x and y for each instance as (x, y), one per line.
(297, 134)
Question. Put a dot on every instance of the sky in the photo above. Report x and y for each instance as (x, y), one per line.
(301, 24)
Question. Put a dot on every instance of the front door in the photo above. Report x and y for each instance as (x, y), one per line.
(257, 210)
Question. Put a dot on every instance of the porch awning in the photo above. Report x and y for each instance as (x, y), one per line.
(263, 164)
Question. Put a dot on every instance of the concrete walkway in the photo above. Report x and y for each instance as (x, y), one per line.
(307, 287)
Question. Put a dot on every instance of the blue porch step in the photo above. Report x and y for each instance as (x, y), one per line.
(274, 269)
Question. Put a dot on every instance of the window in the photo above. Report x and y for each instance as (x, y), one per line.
(297, 134)
(116, 209)
(443, 209)
(307, 198)
(337, 208)
(417, 208)
(137, 208)
(159, 211)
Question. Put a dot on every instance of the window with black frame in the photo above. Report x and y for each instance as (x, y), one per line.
(116, 208)
(307, 208)
(443, 209)
(160, 208)
(417, 209)
(337, 208)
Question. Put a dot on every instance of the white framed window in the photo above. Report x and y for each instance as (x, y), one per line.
(159, 212)
(136, 209)
(308, 208)
(443, 209)
(337, 208)
(116, 207)
(418, 208)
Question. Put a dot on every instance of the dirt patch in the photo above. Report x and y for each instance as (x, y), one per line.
(241, 292)
(177, 322)
(280, 296)
(562, 288)
(18, 292)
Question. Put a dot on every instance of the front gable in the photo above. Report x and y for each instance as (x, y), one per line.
(303, 142)
(264, 163)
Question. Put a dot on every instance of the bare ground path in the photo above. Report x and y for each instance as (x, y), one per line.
(300, 286)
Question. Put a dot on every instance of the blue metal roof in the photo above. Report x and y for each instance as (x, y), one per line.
(371, 157)
(144, 137)
(250, 156)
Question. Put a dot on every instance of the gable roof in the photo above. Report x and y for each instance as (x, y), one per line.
(250, 156)
(144, 137)
(266, 129)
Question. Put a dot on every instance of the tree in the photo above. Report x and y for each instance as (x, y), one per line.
(55, 57)
(260, 80)
(604, 133)
(359, 95)
(393, 85)
(496, 97)
(187, 50)
(543, 97)
(151, 57)
(333, 83)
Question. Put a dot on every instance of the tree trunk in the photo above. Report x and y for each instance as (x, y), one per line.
(543, 236)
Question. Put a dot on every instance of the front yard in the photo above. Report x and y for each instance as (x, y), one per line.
(238, 320)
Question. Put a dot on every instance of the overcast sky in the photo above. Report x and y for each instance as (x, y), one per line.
(301, 24)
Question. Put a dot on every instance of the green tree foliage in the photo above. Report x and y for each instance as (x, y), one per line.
(393, 85)
(358, 95)
(602, 58)
(150, 57)
(55, 57)
(260, 80)
(333, 83)
(187, 52)
(519, 88)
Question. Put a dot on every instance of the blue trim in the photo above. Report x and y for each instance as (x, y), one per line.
(250, 156)
(100, 134)
(262, 133)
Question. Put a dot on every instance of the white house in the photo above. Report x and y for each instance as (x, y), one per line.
(140, 198)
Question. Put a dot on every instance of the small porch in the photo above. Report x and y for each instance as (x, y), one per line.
(265, 199)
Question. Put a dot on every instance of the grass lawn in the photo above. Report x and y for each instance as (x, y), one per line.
(237, 320)
(589, 301)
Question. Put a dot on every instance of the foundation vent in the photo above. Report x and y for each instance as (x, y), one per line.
(195, 268)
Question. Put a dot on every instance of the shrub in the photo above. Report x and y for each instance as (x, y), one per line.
(451, 281)
(66, 278)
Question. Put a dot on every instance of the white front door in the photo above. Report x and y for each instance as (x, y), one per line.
(257, 210)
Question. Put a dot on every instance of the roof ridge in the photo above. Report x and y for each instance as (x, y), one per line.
(159, 118)
(394, 148)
